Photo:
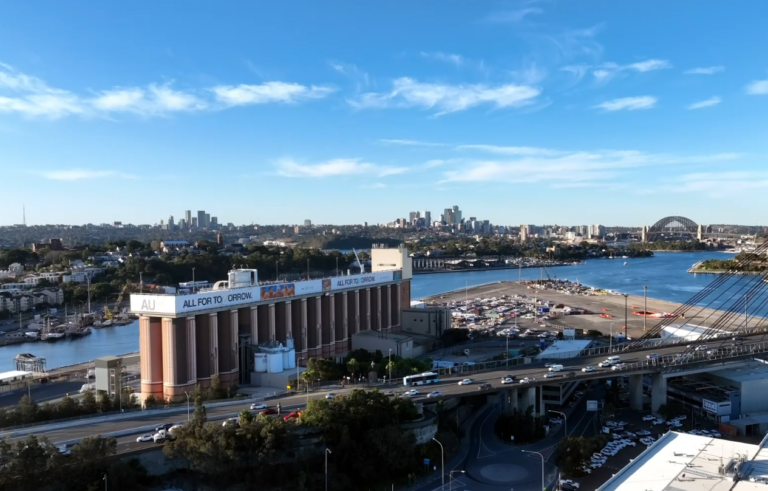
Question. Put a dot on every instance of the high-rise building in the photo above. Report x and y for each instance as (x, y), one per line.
(194, 221)
(214, 221)
(201, 218)
(188, 216)
(307, 223)
(207, 220)
(170, 222)
(183, 224)
(456, 214)
(448, 216)
(428, 218)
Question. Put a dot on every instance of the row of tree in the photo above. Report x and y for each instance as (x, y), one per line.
(28, 411)
(359, 363)
(362, 431)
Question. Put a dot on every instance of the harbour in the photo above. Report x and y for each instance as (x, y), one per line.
(665, 275)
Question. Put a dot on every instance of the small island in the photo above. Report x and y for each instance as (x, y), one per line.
(744, 263)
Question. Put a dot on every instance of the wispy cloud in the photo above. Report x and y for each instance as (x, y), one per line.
(707, 70)
(445, 98)
(81, 174)
(575, 43)
(513, 16)
(721, 184)
(583, 168)
(628, 103)
(649, 65)
(289, 93)
(451, 58)
(350, 70)
(757, 87)
(335, 167)
(605, 72)
(712, 101)
(30, 96)
(375, 185)
(411, 143)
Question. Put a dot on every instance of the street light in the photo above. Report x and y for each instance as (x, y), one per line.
(442, 463)
(542, 465)
(450, 481)
(187, 394)
(389, 365)
(327, 451)
(610, 340)
(193, 280)
(565, 420)
(645, 305)
(626, 328)
(298, 363)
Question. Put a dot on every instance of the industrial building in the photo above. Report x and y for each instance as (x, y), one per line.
(187, 339)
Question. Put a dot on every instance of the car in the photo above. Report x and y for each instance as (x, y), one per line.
(550, 375)
(681, 418)
(652, 356)
(702, 347)
(411, 393)
(330, 395)
(549, 365)
(567, 487)
(527, 380)
(715, 434)
(434, 393)
(258, 405)
(604, 364)
(293, 415)
(620, 366)
(555, 421)
(658, 422)
(649, 417)
(164, 426)
(466, 381)
(268, 411)
(643, 433)
(144, 438)
(571, 482)
(234, 422)
(484, 386)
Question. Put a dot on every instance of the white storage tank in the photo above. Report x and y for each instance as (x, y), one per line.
(290, 362)
(241, 278)
(275, 362)
(261, 362)
(284, 352)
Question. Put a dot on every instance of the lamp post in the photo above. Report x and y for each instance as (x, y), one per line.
(450, 481)
(298, 363)
(506, 355)
(373, 365)
(610, 340)
(645, 305)
(337, 266)
(442, 463)
(141, 282)
(542, 465)
(565, 420)
(193, 280)
(389, 365)
(626, 328)
(327, 451)
(187, 394)
(277, 274)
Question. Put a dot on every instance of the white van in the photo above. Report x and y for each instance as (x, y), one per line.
(613, 359)
(556, 368)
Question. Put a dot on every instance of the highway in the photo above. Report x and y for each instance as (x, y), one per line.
(448, 386)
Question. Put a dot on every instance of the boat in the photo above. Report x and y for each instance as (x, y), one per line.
(97, 324)
(106, 323)
(80, 332)
(52, 336)
(625, 263)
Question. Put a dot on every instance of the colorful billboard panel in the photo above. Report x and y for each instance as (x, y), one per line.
(281, 290)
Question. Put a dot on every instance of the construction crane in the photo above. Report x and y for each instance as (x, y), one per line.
(107, 313)
(539, 256)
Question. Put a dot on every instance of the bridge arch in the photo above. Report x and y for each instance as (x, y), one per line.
(673, 225)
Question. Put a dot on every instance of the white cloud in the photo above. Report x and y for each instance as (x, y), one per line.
(708, 70)
(628, 103)
(757, 87)
(581, 168)
(712, 101)
(375, 185)
(410, 143)
(353, 72)
(31, 97)
(649, 65)
(80, 174)
(243, 94)
(513, 16)
(451, 58)
(335, 167)
(446, 99)
(578, 71)
(721, 184)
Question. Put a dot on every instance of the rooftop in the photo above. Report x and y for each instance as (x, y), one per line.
(683, 462)
(565, 349)
(753, 371)
(14, 375)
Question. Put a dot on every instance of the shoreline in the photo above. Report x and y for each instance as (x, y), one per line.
(495, 268)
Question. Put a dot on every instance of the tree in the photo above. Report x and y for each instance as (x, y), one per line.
(353, 366)
(609, 410)
(27, 409)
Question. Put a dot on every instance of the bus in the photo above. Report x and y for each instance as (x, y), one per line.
(421, 379)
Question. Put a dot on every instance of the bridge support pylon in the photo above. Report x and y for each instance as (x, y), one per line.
(636, 392)
(512, 402)
(658, 392)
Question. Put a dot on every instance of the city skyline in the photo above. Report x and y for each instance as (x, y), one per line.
(522, 112)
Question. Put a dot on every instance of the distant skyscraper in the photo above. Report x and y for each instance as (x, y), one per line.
(428, 218)
(188, 216)
(183, 224)
(194, 222)
(456, 214)
(214, 221)
(207, 220)
(448, 216)
(201, 218)
(307, 223)
(170, 222)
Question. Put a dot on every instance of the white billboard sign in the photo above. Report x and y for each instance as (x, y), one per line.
(308, 287)
(719, 408)
(361, 280)
(182, 304)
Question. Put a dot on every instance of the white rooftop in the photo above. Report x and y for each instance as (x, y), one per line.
(14, 374)
(565, 349)
(683, 462)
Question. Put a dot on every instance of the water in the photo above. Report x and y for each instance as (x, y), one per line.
(665, 274)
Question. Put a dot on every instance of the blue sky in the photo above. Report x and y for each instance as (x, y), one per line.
(564, 112)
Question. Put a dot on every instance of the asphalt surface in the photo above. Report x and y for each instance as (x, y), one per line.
(42, 392)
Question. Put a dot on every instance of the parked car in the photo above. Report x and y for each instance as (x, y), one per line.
(258, 405)
(466, 381)
(649, 417)
(643, 433)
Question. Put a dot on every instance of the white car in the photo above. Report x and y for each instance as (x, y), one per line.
(620, 366)
(643, 433)
(144, 438)
(258, 405)
(230, 422)
(649, 417)
(527, 380)
(702, 347)
(507, 380)
(551, 375)
(434, 393)
(604, 364)
(652, 356)
(411, 393)
(570, 482)
(330, 395)
(588, 369)
(466, 381)
(715, 434)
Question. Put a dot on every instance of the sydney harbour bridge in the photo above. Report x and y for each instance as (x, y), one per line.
(674, 227)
